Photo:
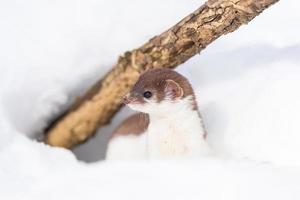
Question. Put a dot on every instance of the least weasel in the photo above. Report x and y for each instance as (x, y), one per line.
(168, 124)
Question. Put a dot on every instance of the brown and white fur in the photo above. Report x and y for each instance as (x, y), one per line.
(168, 124)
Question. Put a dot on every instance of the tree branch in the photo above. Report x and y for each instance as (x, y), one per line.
(173, 47)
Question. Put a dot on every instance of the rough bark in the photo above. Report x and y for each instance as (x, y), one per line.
(171, 48)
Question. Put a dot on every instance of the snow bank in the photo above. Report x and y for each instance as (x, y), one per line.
(247, 85)
(205, 179)
(257, 114)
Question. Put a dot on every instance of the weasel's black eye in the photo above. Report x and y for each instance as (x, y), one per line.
(147, 94)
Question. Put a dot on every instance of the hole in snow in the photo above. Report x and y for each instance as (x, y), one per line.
(30, 104)
(29, 114)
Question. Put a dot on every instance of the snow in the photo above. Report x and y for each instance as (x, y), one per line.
(247, 84)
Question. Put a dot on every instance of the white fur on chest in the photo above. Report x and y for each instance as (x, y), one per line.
(176, 136)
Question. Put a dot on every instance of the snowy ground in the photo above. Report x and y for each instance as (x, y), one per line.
(247, 85)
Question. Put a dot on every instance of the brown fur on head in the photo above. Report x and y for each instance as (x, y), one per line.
(159, 85)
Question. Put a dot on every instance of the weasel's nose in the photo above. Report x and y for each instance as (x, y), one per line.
(126, 100)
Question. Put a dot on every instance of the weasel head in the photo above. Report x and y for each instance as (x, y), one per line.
(159, 91)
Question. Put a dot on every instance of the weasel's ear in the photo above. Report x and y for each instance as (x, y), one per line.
(173, 89)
